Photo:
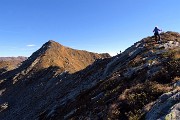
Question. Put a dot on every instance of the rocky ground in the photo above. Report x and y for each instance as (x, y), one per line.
(140, 83)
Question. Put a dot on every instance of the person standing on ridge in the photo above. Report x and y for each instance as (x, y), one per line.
(156, 33)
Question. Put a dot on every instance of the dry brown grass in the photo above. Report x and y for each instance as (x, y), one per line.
(66, 58)
(139, 96)
(177, 54)
(177, 78)
(9, 65)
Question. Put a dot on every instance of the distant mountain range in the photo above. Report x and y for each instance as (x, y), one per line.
(10, 63)
(61, 83)
(19, 58)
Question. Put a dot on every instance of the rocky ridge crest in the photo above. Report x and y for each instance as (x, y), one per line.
(128, 86)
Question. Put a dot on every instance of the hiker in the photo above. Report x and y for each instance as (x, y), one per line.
(156, 33)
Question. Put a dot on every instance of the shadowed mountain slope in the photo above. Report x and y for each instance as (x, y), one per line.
(128, 86)
(46, 63)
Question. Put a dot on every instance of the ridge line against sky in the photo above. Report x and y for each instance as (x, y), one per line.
(94, 25)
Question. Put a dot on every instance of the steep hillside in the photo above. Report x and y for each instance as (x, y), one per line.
(127, 87)
(26, 82)
(66, 58)
(52, 54)
(141, 83)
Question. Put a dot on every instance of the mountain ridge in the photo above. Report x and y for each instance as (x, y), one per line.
(52, 53)
(127, 86)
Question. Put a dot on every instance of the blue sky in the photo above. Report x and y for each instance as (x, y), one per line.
(92, 25)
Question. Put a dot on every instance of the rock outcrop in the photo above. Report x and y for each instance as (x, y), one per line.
(167, 107)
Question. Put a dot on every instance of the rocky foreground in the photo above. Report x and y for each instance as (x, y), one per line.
(143, 82)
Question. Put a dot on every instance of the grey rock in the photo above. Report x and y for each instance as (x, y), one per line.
(177, 84)
(166, 107)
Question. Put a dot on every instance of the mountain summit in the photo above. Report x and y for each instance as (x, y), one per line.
(143, 82)
(56, 55)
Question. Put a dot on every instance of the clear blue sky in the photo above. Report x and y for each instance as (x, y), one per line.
(92, 25)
